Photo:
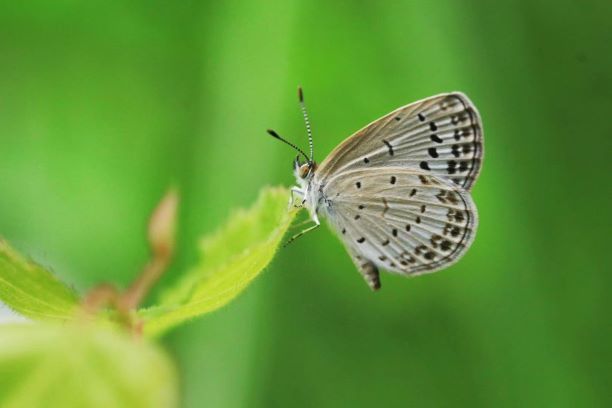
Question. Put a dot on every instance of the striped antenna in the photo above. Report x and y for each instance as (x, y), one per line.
(307, 121)
(277, 136)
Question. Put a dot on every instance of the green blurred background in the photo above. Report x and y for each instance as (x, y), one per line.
(105, 104)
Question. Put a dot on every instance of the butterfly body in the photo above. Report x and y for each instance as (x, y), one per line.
(397, 191)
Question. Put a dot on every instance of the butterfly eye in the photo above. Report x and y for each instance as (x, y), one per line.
(304, 170)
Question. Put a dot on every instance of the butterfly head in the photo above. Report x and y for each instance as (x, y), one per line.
(303, 171)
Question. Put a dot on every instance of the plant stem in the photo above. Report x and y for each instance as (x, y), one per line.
(161, 239)
(99, 297)
(131, 298)
(161, 236)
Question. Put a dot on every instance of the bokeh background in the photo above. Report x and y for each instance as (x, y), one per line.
(103, 105)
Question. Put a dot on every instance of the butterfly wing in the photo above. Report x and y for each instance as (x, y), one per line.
(402, 220)
(440, 135)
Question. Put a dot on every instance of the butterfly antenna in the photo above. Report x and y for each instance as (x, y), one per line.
(277, 136)
(306, 120)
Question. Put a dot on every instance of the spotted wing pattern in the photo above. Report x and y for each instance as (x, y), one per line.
(440, 135)
(402, 220)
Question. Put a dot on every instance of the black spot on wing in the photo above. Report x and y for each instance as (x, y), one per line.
(446, 245)
(389, 147)
(455, 150)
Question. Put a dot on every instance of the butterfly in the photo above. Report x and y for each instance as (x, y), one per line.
(397, 192)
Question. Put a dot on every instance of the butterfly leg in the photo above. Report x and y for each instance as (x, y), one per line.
(299, 192)
(299, 234)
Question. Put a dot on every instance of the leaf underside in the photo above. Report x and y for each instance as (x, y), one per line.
(230, 259)
(31, 290)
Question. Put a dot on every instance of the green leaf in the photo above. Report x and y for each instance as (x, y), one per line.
(230, 259)
(31, 290)
(80, 365)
